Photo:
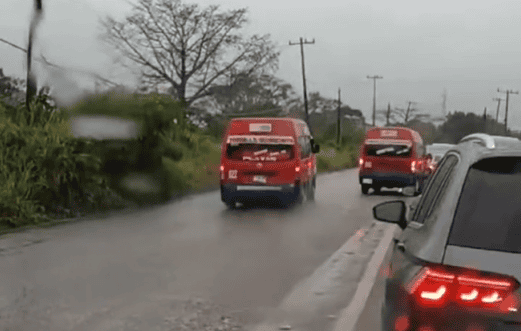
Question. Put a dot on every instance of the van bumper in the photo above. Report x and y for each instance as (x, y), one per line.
(251, 193)
(388, 180)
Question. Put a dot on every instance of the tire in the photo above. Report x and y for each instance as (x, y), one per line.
(299, 194)
(417, 187)
(365, 188)
(311, 190)
(227, 201)
(230, 204)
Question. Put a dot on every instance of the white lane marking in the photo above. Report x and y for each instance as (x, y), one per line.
(350, 315)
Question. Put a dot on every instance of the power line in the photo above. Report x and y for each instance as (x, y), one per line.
(301, 43)
(374, 78)
(508, 92)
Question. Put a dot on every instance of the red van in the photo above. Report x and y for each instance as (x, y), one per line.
(268, 157)
(393, 157)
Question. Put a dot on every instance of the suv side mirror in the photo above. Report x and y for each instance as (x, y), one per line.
(391, 212)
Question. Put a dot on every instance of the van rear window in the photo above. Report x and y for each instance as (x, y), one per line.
(388, 150)
(260, 152)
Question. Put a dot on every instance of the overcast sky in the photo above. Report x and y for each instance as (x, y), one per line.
(469, 47)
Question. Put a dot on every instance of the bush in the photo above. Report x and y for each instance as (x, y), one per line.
(43, 168)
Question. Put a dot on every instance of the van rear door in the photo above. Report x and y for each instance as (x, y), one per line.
(387, 156)
(270, 160)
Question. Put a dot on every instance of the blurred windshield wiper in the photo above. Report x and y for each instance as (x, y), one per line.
(31, 79)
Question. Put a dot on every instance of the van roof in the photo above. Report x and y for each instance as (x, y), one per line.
(277, 126)
(396, 133)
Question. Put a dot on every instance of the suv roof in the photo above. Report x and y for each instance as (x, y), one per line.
(433, 222)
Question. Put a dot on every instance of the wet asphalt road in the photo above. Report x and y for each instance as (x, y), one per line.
(90, 275)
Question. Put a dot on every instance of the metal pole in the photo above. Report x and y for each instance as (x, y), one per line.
(339, 119)
(485, 119)
(508, 92)
(302, 42)
(498, 104)
(374, 78)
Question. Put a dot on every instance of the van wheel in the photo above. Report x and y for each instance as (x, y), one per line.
(417, 187)
(311, 191)
(230, 204)
(365, 188)
(377, 189)
(299, 194)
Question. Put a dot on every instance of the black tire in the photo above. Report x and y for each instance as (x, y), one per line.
(299, 194)
(311, 190)
(227, 201)
(417, 187)
(365, 188)
(230, 204)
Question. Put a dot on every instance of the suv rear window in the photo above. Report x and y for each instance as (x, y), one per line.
(388, 150)
(488, 215)
(260, 152)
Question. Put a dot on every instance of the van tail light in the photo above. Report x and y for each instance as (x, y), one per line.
(435, 288)
(413, 166)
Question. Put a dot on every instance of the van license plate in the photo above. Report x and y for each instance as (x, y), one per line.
(367, 181)
(259, 179)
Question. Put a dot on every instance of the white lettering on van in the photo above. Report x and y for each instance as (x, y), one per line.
(389, 133)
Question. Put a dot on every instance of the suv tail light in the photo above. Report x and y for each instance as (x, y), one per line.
(413, 166)
(297, 169)
(361, 162)
(437, 287)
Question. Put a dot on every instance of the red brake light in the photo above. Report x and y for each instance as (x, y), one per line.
(222, 168)
(413, 166)
(361, 162)
(435, 288)
(297, 169)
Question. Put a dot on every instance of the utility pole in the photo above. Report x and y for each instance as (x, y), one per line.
(339, 121)
(508, 92)
(301, 43)
(388, 116)
(408, 111)
(498, 104)
(374, 78)
(485, 119)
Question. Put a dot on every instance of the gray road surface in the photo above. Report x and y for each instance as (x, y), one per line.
(128, 272)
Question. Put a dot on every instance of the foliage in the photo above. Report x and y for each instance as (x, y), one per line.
(459, 125)
(249, 93)
(187, 47)
(43, 168)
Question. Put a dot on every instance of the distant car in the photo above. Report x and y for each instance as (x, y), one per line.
(456, 264)
(438, 151)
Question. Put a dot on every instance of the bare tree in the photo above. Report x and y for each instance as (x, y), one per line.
(187, 47)
(402, 116)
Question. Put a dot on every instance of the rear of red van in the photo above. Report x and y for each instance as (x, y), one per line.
(261, 159)
(392, 157)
